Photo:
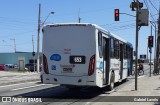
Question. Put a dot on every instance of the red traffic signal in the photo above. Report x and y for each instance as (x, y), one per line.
(150, 41)
(116, 14)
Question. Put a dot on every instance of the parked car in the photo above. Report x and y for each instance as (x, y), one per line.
(2, 67)
(9, 66)
(30, 67)
(16, 66)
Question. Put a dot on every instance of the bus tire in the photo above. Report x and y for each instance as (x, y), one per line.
(111, 86)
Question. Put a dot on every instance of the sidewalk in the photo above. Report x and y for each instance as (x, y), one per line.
(7, 78)
(147, 86)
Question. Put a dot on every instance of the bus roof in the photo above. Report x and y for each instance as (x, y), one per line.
(89, 24)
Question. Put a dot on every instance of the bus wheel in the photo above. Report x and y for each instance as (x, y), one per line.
(111, 86)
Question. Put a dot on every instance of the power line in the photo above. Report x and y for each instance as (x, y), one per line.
(153, 5)
(122, 22)
(114, 26)
(6, 45)
(17, 20)
(124, 28)
(149, 9)
(17, 34)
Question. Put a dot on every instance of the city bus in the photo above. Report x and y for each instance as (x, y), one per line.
(83, 54)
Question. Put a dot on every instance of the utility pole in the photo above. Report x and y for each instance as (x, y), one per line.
(156, 71)
(38, 38)
(33, 53)
(136, 63)
(141, 20)
(14, 41)
(155, 48)
(150, 50)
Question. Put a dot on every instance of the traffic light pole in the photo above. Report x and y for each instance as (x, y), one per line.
(150, 51)
(136, 63)
(139, 17)
(150, 45)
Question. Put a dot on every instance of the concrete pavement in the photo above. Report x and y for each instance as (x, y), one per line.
(7, 77)
(147, 86)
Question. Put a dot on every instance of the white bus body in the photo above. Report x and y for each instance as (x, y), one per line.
(82, 55)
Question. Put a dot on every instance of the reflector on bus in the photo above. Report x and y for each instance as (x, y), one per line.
(45, 64)
(91, 65)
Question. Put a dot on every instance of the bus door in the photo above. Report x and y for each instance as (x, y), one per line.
(121, 60)
(106, 60)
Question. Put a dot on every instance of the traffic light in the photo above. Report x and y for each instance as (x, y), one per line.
(140, 5)
(150, 41)
(116, 14)
(134, 5)
(33, 53)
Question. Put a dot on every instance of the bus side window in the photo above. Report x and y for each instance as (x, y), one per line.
(125, 51)
(100, 44)
(112, 48)
(116, 49)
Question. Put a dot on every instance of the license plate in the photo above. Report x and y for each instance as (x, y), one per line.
(67, 69)
(77, 59)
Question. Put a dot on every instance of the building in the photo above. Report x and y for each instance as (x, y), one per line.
(18, 58)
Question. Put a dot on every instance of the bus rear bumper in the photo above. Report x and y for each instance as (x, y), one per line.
(67, 80)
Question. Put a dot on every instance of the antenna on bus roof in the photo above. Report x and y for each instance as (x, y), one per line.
(79, 19)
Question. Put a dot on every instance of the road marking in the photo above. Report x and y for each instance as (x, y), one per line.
(141, 76)
(88, 103)
(18, 84)
(28, 87)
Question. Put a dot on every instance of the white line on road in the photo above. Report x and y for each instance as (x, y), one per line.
(87, 103)
(141, 76)
(27, 87)
(18, 84)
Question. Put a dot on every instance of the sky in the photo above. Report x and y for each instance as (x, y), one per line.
(19, 20)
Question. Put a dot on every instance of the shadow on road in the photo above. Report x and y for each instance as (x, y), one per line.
(61, 93)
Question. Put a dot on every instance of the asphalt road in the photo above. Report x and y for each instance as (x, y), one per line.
(59, 95)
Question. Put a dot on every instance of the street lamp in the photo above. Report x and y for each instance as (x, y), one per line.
(14, 40)
(38, 37)
(47, 18)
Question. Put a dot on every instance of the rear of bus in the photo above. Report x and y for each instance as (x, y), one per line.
(69, 54)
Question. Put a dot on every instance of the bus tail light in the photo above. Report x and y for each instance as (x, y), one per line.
(91, 65)
(45, 64)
